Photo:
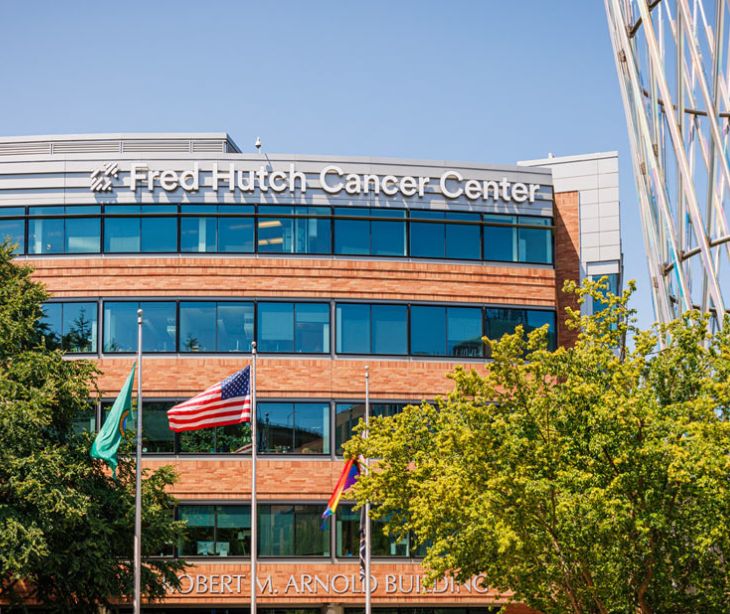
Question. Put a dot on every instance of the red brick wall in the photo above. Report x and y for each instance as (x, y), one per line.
(567, 258)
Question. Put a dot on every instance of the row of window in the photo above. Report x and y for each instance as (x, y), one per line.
(283, 427)
(284, 531)
(276, 229)
(285, 328)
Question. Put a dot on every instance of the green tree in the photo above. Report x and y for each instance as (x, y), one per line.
(594, 478)
(66, 528)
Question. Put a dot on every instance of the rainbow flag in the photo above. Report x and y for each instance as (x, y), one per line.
(349, 474)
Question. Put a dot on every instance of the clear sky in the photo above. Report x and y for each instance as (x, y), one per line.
(481, 80)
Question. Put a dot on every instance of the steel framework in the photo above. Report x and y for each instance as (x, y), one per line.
(674, 73)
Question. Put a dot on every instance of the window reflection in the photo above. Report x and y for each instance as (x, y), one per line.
(70, 326)
(293, 428)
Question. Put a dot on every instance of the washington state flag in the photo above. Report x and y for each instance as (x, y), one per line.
(110, 435)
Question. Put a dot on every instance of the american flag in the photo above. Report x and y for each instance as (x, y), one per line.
(227, 402)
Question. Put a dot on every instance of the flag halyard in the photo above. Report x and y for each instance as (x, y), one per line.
(227, 402)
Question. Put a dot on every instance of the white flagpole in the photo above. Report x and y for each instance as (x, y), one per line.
(368, 596)
(254, 514)
(138, 480)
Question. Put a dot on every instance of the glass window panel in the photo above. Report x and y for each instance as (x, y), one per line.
(537, 318)
(275, 427)
(352, 237)
(347, 531)
(382, 545)
(464, 332)
(312, 328)
(199, 234)
(121, 234)
(427, 239)
(535, 245)
(12, 211)
(199, 538)
(42, 211)
(116, 209)
(13, 231)
(83, 235)
(159, 234)
(45, 236)
(347, 415)
(428, 331)
(235, 234)
(234, 327)
(500, 321)
(275, 327)
(79, 327)
(85, 421)
(309, 538)
(275, 234)
(197, 327)
(311, 428)
(231, 439)
(388, 238)
(313, 236)
(156, 434)
(389, 329)
(233, 530)
(534, 220)
(120, 327)
(500, 243)
(51, 324)
(463, 241)
(276, 530)
(353, 328)
(158, 327)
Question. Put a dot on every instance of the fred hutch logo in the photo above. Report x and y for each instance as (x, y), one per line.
(101, 178)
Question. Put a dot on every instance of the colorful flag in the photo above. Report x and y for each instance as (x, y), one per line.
(224, 403)
(110, 435)
(349, 474)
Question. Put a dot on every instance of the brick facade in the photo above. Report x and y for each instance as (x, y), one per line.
(219, 478)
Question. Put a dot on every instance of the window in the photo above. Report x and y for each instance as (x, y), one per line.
(216, 327)
(347, 536)
(383, 235)
(372, 329)
(154, 231)
(85, 420)
(292, 530)
(212, 232)
(282, 230)
(347, 416)
(294, 328)
(159, 326)
(446, 331)
(436, 234)
(510, 238)
(12, 227)
(157, 438)
(500, 321)
(215, 530)
(231, 439)
(71, 327)
(293, 428)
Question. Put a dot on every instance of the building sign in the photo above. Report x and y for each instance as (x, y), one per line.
(323, 584)
(331, 179)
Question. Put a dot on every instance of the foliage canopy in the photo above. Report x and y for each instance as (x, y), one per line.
(66, 528)
(593, 478)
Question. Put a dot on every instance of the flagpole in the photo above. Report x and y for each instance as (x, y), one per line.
(254, 514)
(368, 596)
(138, 480)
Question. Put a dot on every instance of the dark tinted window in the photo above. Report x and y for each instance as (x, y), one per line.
(215, 530)
(292, 530)
(158, 330)
(372, 329)
(347, 416)
(293, 327)
(72, 327)
(216, 326)
(293, 428)
(499, 321)
(13, 230)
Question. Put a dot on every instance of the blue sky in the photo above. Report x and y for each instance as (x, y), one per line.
(484, 81)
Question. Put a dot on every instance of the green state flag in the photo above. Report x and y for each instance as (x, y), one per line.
(110, 435)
